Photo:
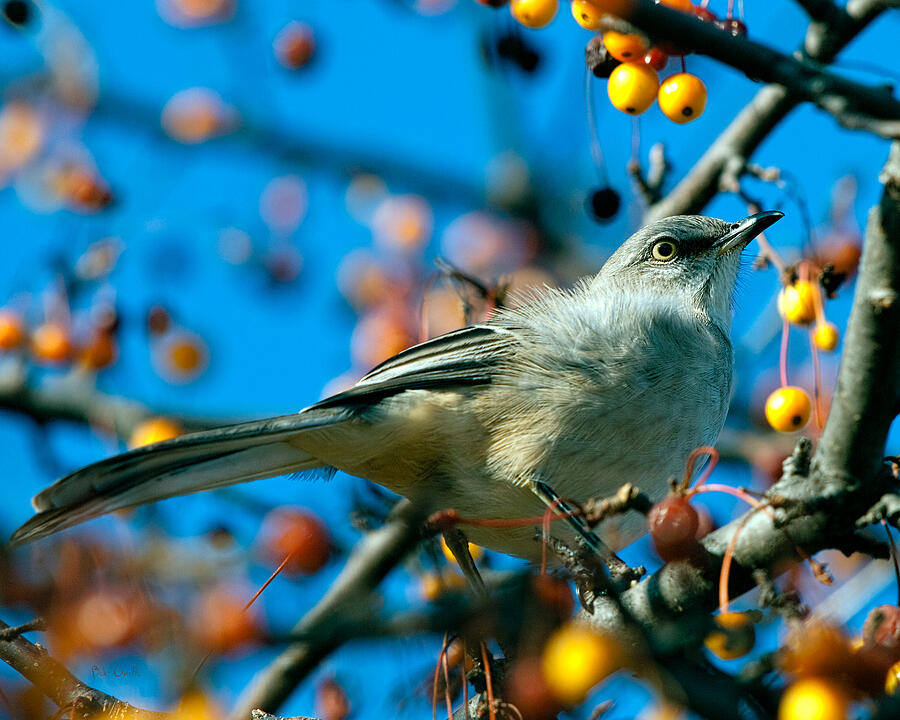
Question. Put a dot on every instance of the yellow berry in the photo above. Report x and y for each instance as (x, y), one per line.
(797, 302)
(575, 659)
(153, 430)
(632, 87)
(733, 637)
(433, 585)
(813, 699)
(892, 681)
(788, 408)
(475, 551)
(586, 14)
(682, 97)
(826, 336)
(625, 46)
(534, 13)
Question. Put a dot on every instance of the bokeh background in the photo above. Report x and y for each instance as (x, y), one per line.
(271, 183)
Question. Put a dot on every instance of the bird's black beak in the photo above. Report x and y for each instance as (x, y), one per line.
(747, 229)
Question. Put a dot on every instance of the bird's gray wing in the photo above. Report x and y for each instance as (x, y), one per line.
(461, 358)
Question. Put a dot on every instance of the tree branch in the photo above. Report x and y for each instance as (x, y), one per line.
(765, 110)
(63, 688)
(76, 399)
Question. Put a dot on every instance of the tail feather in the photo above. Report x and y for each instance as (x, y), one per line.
(183, 465)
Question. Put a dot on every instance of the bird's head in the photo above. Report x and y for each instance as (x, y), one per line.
(687, 256)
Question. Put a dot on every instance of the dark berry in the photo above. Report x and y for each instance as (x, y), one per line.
(603, 203)
(18, 12)
(734, 26)
(512, 47)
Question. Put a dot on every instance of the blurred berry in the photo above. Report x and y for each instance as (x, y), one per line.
(295, 45)
(12, 329)
(603, 204)
(17, 12)
(514, 48)
(153, 430)
(331, 701)
(298, 533)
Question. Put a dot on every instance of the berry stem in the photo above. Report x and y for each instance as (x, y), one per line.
(275, 574)
(437, 673)
(596, 149)
(446, 668)
(489, 685)
(887, 529)
(817, 380)
(782, 362)
(707, 471)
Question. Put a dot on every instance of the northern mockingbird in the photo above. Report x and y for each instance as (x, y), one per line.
(616, 380)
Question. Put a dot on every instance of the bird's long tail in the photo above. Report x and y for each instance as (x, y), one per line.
(183, 465)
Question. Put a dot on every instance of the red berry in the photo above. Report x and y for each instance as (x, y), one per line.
(300, 534)
(656, 59)
(555, 594)
(673, 528)
(705, 14)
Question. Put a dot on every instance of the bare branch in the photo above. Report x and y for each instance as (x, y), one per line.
(763, 113)
(63, 688)
(76, 399)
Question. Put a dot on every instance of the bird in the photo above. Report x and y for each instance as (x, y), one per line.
(573, 392)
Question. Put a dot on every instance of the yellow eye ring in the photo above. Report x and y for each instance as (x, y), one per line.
(664, 250)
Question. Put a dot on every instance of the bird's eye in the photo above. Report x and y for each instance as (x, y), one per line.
(664, 250)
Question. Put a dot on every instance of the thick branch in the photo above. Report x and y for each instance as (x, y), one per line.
(63, 688)
(349, 596)
(760, 116)
(846, 475)
(865, 401)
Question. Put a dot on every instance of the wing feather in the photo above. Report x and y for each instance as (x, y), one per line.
(460, 358)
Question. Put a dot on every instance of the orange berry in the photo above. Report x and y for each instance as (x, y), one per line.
(534, 13)
(625, 46)
(100, 352)
(182, 356)
(797, 302)
(295, 45)
(816, 649)
(475, 551)
(632, 87)
(733, 637)
(300, 534)
(12, 329)
(813, 699)
(153, 430)
(51, 343)
(788, 409)
(219, 621)
(681, 5)
(332, 702)
(586, 14)
(575, 659)
(682, 97)
(826, 336)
